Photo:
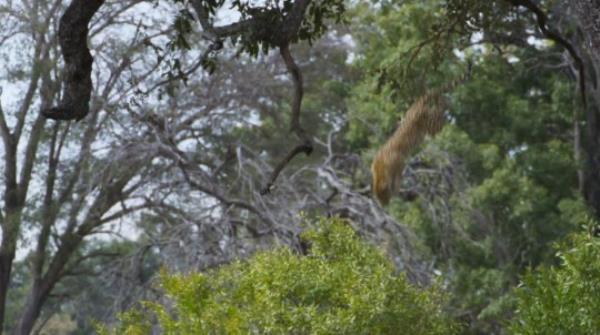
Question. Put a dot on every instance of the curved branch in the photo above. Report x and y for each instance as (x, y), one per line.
(72, 35)
(306, 146)
(542, 21)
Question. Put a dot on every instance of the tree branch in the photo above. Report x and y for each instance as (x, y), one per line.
(294, 20)
(306, 146)
(48, 210)
(4, 131)
(72, 34)
(542, 21)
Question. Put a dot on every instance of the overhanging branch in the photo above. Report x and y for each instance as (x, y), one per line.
(72, 35)
(306, 145)
(542, 21)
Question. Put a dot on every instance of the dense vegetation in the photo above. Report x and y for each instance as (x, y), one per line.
(340, 286)
(562, 299)
(185, 200)
(505, 182)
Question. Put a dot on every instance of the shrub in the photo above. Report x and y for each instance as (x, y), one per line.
(563, 299)
(343, 286)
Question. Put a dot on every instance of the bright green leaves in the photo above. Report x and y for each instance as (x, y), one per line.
(563, 299)
(405, 46)
(343, 286)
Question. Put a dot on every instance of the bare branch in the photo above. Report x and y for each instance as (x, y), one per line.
(49, 213)
(203, 16)
(31, 90)
(306, 146)
(30, 155)
(4, 131)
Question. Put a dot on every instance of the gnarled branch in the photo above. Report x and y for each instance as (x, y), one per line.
(72, 35)
(306, 145)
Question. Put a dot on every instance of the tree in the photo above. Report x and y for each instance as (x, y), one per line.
(151, 146)
(141, 123)
(491, 193)
(62, 182)
(587, 11)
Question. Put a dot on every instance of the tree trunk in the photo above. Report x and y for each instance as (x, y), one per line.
(8, 249)
(588, 15)
(578, 151)
(592, 180)
(42, 287)
(32, 310)
(6, 259)
(35, 301)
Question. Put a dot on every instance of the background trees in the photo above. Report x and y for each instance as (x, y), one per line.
(190, 122)
(492, 193)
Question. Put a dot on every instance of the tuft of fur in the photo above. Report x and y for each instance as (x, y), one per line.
(424, 117)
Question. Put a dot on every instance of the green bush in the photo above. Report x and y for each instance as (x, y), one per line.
(343, 286)
(564, 299)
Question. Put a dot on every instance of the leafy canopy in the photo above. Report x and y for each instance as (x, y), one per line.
(563, 299)
(342, 286)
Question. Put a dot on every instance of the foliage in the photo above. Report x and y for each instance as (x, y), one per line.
(59, 324)
(563, 299)
(273, 13)
(489, 195)
(498, 186)
(269, 21)
(342, 286)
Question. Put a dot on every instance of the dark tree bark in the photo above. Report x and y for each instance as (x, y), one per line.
(10, 230)
(588, 17)
(592, 171)
(7, 255)
(10, 223)
(72, 35)
(42, 287)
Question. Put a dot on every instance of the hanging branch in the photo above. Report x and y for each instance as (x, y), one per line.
(72, 36)
(542, 21)
(306, 145)
(280, 33)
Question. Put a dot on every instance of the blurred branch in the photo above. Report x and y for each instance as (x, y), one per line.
(542, 21)
(306, 146)
(4, 131)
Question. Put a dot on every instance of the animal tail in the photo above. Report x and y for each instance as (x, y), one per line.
(424, 117)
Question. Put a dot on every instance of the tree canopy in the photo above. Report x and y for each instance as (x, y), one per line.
(190, 135)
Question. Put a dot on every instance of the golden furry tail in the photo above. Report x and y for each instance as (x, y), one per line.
(424, 117)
